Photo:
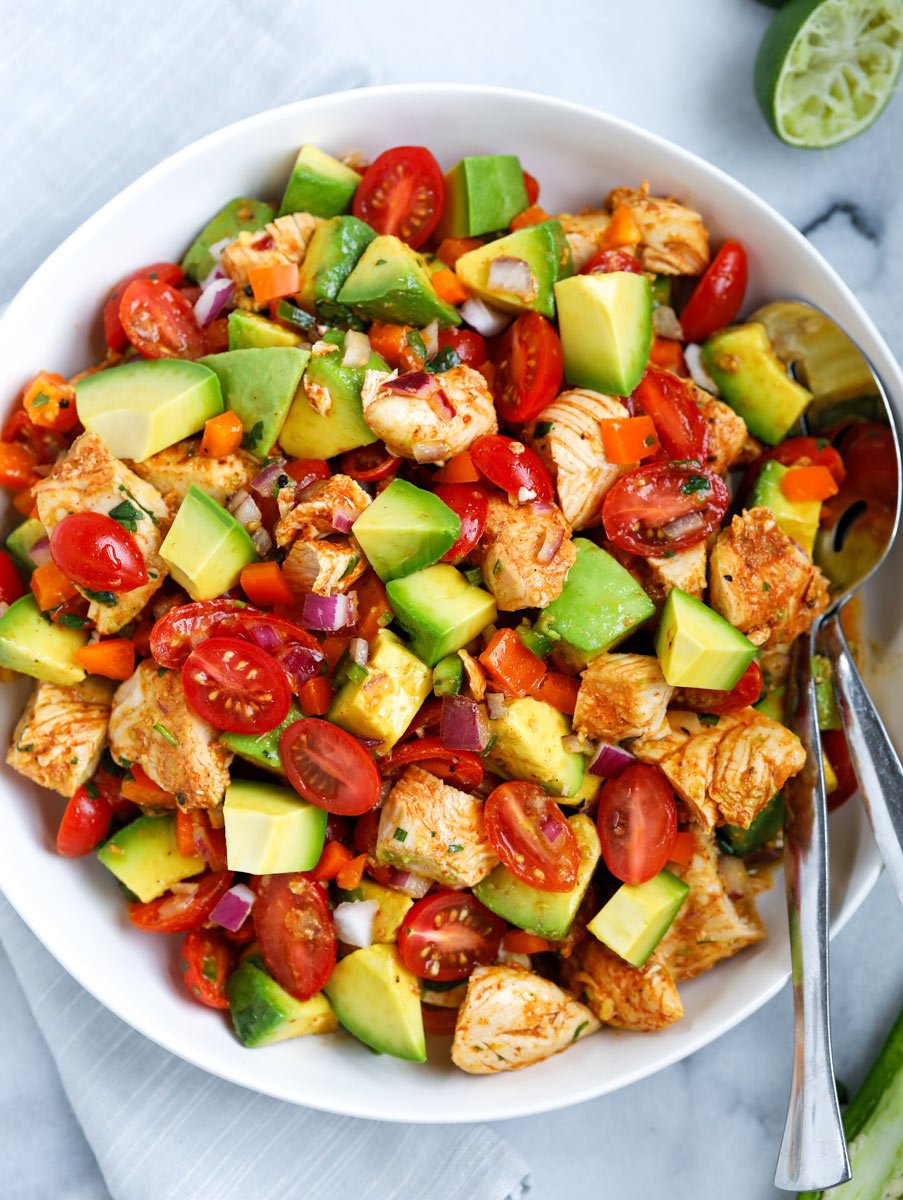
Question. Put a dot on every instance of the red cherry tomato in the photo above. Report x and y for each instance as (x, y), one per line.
(402, 192)
(296, 933)
(305, 471)
(678, 419)
(837, 751)
(329, 767)
(112, 326)
(95, 552)
(461, 768)
(469, 346)
(204, 838)
(607, 261)
(85, 823)
(745, 692)
(468, 502)
(637, 822)
(236, 686)
(159, 321)
(718, 295)
(868, 453)
(513, 467)
(369, 464)
(189, 907)
(532, 186)
(531, 836)
(529, 368)
(366, 829)
(206, 963)
(664, 506)
(446, 935)
(11, 585)
(809, 451)
(180, 630)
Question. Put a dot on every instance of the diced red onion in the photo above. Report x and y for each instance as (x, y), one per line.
(261, 634)
(698, 373)
(551, 830)
(357, 349)
(300, 662)
(411, 884)
(263, 483)
(232, 908)
(483, 318)
(690, 523)
(262, 541)
(216, 250)
(212, 301)
(40, 552)
(359, 651)
(342, 520)
(243, 508)
(551, 544)
(495, 704)
(430, 337)
(609, 761)
(464, 724)
(513, 275)
(414, 383)
(329, 613)
(441, 405)
(354, 921)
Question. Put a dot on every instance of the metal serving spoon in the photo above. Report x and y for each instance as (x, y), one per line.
(846, 389)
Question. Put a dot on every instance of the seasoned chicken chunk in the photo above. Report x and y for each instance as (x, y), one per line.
(641, 998)
(90, 479)
(568, 439)
(674, 240)
(325, 507)
(622, 696)
(431, 828)
(443, 417)
(61, 734)
(726, 771)
(152, 725)
(763, 582)
(284, 241)
(584, 232)
(512, 1018)
(685, 569)
(526, 552)
(728, 434)
(711, 923)
(173, 470)
(323, 565)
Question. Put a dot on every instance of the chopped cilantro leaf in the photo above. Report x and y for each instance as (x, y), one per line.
(400, 835)
(166, 734)
(40, 400)
(695, 483)
(127, 515)
(71, 620)
(252, 437)
(445, 360)
(107, 598)
(415, 341)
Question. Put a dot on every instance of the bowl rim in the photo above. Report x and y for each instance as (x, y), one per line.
(22, 899)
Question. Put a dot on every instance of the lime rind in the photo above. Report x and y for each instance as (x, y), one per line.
(827, 69)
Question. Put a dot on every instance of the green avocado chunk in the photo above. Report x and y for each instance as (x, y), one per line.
(377, 999)
(599, 606)
(21, 540)
(238, 216)
(527, 745)
(440, 610)
(144, 855)
(754, 381)
(547, 914)
(734, 839)
(798, 518)
(697, 648)
(383, 703)
(262, 749)
(270, 829)
(259, 387)
(546, 253)
(825, 696)
(308, 433)
(319, 184)
(605, 323)
(331, 256)
(448, 676)
(264, 1013)
(249, 331)
(638, 916)
(404, 529)
(390, 283)
(483, 194)
(35, 646)
(206, 548)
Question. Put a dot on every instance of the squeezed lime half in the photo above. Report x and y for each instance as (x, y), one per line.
(826, 68)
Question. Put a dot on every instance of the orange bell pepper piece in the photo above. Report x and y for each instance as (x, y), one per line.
(315, 696)
(275, 282)
(222, 435)
(452, 248)
(374, 610)
(49, 402)
(141, 789)
(668, 353)
(448, 287)
(558, 690)
(17, 464)
(51, 587)
(391, 342)
(350, 876)
(511, 665)
(683, 849)
(335, 856)
(113, 658)
(622, 230)
(264, 584)
(533, 215)
(628, 439)
(518, 941)
(459, 469)
(808, 483)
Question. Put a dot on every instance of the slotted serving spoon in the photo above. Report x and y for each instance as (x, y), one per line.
(848, 397)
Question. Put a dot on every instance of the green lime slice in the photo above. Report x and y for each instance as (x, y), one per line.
(826, 68)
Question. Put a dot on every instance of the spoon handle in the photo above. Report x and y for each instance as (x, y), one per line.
(875, 762)
(813, 1152)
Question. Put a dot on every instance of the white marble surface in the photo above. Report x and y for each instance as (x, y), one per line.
(708, 1127)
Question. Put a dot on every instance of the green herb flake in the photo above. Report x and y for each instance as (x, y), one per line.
(71, 620)
(497, 569)
(131, 495)
(161, 671)
(454, 848)
(127, 515)
(400, 835)
(580, 1028)
(107, 598)
(40, 400)
(415, 341)
(669, 554)
(352, 563)
(766, 587)
(543, 428)
(166, 734)
(650, 440)
(445, 360)
(380, 262)
(695, 483)
(73, 761)
(252, 437)
(707, 718)
(92, 789)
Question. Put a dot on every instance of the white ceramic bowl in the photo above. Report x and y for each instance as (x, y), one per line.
(53, 323)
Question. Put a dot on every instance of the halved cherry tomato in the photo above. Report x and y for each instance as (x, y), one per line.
(446, 935)
(468, 502)
(531, 183)
(196, 835)
(189, 907)
(180, 630)
(11, 584)
(637, 821)
(85, 823)
(531, 836)
(369, 464)
(159, 321)
(669, 353)
(403, 193)
(373, 608)
(460, 768)
(439, 1022)
(678, 419)
(206, 963)
(513, 467)
(745, 692)
(306, 471)
(236, 686)
(112, 326)
(470, 347)
(17, 464)
(718, 295)
(529, 366)
(606, 261)
(95, 552)
(664, 506)
(835, 747)
(329, 767)
(295, 931)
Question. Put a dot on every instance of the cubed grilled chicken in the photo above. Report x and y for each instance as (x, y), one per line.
(640, 998)
(326, 507)
(713, 922)
(284, 241)
(525, 553)
(89, 479)
(728, 434)
(622, 696)
(512, 1018)
(775, 664)
(567, 438)
(428, 827)
(674, 240)
(585, 233)
(455, 408)
(763, 582)
(323, 565)
(173, 470)
(725, 772)
(61, 734)
(152, 725)
(685, 570)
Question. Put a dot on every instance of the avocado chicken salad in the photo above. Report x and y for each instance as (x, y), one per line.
(408, 594)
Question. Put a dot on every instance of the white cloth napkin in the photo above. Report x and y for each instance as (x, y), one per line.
(99, 91)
